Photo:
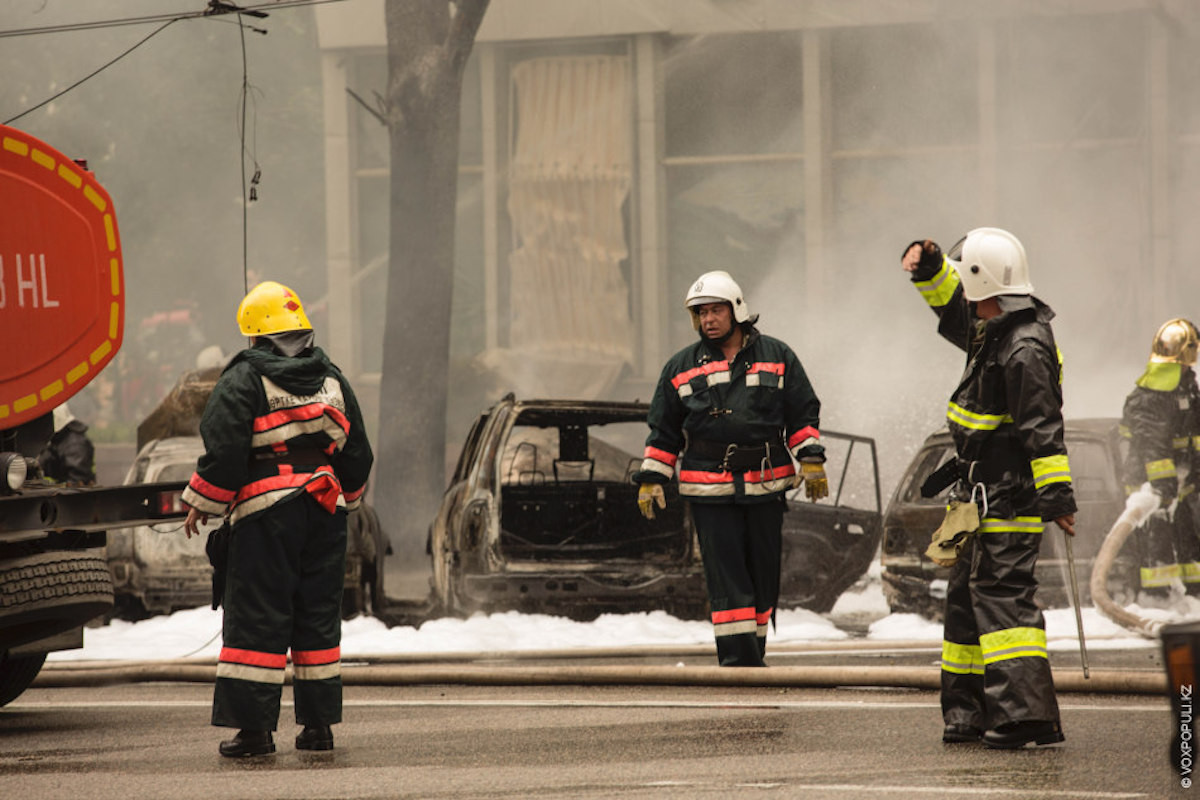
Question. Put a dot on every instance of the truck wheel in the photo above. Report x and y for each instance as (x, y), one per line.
(46, 594)
(16, 673)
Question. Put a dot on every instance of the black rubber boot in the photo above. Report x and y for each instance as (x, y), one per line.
(315, 737)
(248, 743)
(1014, 735)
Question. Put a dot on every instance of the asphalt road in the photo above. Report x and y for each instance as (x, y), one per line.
(141, 741)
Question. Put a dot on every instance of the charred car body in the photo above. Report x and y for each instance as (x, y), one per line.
(541, 515)
(156, 569)
(913, 583)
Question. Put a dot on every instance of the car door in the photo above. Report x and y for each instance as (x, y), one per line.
(828, 545)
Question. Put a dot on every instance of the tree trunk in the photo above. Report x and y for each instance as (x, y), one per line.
(428, 46)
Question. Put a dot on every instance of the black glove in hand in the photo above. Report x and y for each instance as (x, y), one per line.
(1166, 488)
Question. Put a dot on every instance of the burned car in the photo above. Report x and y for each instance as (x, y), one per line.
(157, 569)
(913, 583)
(541, 515)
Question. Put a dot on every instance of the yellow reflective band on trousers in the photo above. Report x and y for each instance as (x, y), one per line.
(1051, 469)
(1013, 643)
(1017, 525)
(938, 290)
(1163, 468)
(973, 420)
(962, 659)
(1157, 577)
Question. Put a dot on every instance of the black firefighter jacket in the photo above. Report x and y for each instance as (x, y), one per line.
(702, 402)
(1161, 419)
(1006, 414)
(276, 426)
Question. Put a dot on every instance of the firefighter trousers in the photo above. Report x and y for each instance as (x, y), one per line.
(283, 592)
(740, 545)
(1172, 547)
(995, 667)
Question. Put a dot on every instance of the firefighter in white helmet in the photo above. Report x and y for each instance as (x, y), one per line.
(1161, 420)
(1011, 476)
(733, 412)
(286, 456)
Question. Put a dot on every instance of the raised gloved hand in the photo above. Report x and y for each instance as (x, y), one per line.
(650, 495)
(923, 263)
(816, 485)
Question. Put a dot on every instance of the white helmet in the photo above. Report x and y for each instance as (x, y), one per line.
(716, 287)
(990, 262)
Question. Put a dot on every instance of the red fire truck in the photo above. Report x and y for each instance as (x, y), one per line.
(62, 317)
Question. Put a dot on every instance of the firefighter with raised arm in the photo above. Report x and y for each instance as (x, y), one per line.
(1161, 420)
(286, 455)
(732, 411)
(1011, 477)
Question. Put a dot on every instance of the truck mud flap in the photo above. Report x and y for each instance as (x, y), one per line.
(45, 594)
(16, 674)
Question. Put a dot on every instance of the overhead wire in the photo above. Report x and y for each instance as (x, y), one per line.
(152, 18)
(214, 10)
(92, 74)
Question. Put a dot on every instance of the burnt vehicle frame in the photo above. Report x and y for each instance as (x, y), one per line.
(914, 584)
(541, 516)
(156, 569)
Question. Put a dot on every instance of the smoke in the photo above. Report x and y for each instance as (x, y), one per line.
(1058, 144)
(161, 128)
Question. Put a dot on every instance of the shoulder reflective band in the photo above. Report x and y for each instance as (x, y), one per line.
(1013, 643)
(1050, 469)
(962, 659)
(1017, 525)
(938, 290)
(975, 421)
(1163, 468)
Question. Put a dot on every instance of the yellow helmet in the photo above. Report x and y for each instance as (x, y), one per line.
(271, 307)
(1175, 343)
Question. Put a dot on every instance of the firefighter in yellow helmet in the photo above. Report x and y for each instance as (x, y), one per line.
(1010, 476)
(1161, 420)
(286, 456)
(732, 411)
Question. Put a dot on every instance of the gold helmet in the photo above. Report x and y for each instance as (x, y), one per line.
(271, 307)
(1175, 343)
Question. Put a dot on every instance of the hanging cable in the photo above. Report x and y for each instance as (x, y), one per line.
(253, 195)
(93, 74)
(221, 7)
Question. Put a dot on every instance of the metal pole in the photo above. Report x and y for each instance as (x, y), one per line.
(1075, 602)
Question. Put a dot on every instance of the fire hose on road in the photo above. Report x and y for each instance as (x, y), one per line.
(1138, 508)
(465, 669)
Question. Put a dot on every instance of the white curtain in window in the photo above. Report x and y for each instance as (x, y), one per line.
(570, 175)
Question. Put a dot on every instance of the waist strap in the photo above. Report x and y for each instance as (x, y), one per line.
(738, 455)
(304, 456)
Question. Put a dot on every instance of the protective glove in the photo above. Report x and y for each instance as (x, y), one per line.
(1166, 488)
(930, 261)
(816, 485)
(947, 543)
(649, 495)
